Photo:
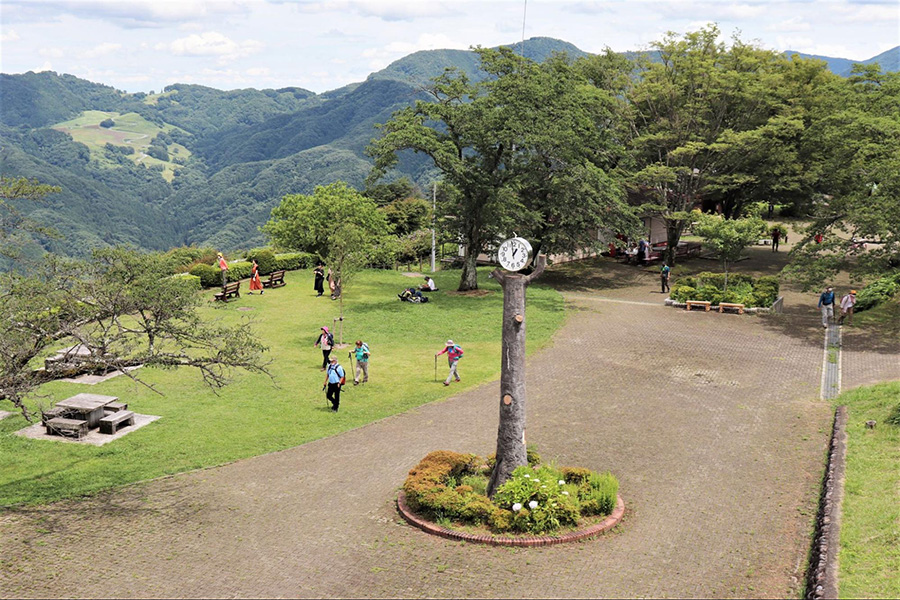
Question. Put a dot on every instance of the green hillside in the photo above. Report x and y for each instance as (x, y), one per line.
(194, 164)
(131, 131)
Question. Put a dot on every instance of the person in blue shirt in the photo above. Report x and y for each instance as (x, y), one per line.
(664, 278)
(362, 362)
(826, 305)
(334, 379)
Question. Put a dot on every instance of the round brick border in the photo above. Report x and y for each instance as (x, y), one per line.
(532, 540)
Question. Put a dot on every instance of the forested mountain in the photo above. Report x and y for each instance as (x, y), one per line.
(888, 61)
(193, 164)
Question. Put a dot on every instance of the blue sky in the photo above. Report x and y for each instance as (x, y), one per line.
(143, 45)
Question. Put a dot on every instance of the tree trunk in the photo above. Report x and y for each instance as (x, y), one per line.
(511, 451)
(469, 278)
(673, 236)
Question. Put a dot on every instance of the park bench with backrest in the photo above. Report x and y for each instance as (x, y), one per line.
(735, 305)
(231, 290)
(691, 303)
(276, 279)
(111, 422)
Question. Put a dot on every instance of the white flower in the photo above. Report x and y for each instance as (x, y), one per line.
(565, 493)
(527, 476)
(517, 507)
(533, 504)
(561, 482)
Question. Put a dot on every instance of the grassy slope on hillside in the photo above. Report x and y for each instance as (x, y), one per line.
(252, 417)
(130, 129)
(870, 528)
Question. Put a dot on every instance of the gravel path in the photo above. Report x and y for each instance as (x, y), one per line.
(711, 422)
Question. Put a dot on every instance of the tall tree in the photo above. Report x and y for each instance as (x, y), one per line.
(854, 146)
(335, 222)
(699, 115)
(527, 149)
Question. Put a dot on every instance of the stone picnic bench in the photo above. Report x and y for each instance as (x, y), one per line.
(231, 290)
(688, 304)
(276, 279)
(76, 416)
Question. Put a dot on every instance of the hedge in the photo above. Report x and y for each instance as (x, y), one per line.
(880, 290)
(742, 289)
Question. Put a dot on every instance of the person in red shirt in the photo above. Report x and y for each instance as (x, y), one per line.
(223, 266)
(255, 283)
(454, 353)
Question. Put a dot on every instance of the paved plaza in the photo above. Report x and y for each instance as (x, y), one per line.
(713, 424)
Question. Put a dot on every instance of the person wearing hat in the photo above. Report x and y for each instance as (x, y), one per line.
(223, 266)
(334, 379)
(326, 341)
(454, 353)
(847, 303)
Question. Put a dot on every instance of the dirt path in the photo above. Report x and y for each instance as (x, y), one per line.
(710, 421)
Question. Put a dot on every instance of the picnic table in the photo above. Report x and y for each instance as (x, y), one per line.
(88, 407)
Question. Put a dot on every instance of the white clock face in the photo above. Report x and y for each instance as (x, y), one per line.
(514, 254)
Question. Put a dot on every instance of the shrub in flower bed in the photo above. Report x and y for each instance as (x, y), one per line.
(537, 499)
(742, 289)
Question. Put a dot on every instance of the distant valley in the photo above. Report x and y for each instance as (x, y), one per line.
(196, 165)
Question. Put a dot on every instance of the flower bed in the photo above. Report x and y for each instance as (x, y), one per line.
(448, 488)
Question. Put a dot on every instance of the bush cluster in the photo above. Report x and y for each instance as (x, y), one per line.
(292, 261)
(880, 290)
(536, 499)
(264, 257)
(742, 289)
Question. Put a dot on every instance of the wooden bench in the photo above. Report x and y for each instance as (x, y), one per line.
(111, 422)
(67, 427)
(724, 305)
(276, 279)
(691, 303)
(231, 290)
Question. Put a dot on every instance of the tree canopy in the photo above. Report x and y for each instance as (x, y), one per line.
(528, 149)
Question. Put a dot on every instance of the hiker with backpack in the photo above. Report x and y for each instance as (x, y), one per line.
(362, 362)
(454, 353)
(326, 341)
(334, 379)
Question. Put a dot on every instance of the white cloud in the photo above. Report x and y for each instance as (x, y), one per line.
(212, 43)
(102, 50)
(9, 35)
(47, 66)
(386, 10)
(51, 52)
(384, 55)
(790, 25)
(869, 13)
(259, 72)
(130, 13)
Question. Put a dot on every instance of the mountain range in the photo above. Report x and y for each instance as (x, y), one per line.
(197, 165)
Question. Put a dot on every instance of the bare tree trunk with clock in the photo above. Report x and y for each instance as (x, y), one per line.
(511, 432)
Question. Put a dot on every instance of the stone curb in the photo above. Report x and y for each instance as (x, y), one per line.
(822, 573)
(528, 541)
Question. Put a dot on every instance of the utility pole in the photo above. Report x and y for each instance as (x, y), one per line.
(433, 221)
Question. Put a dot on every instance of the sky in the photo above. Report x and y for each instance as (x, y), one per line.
(144, 45)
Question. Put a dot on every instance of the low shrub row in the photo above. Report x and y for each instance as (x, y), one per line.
(880, 290)
(537, 498)
(742, 289)
(210, 276)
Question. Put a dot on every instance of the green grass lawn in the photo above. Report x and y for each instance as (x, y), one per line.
(870, 528)
(254, 415)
